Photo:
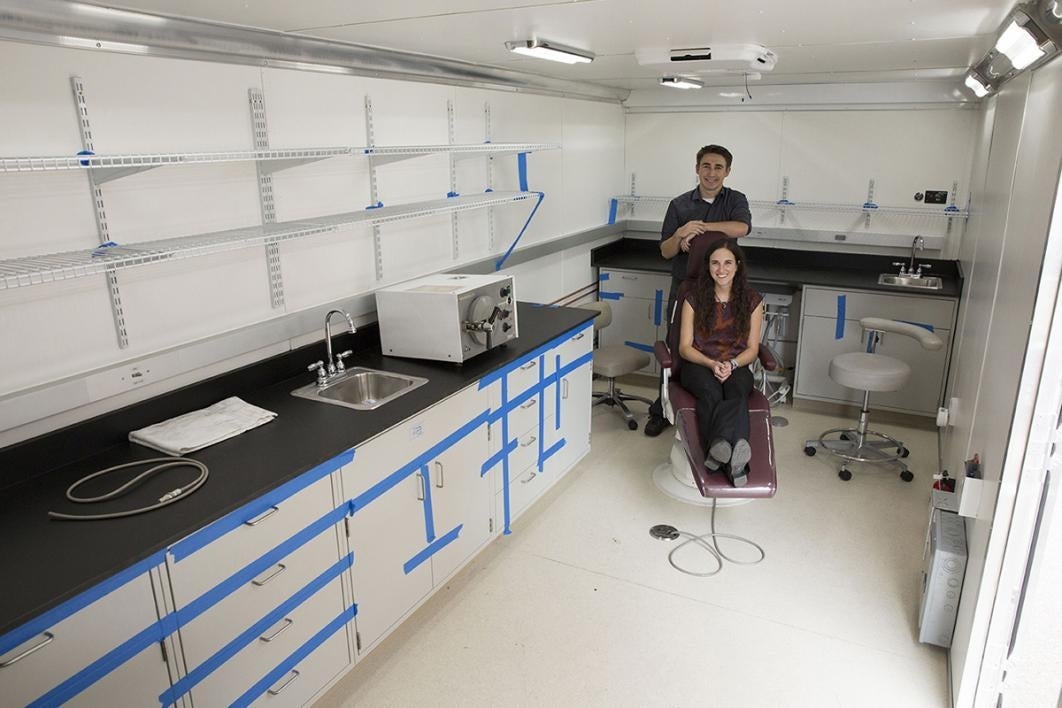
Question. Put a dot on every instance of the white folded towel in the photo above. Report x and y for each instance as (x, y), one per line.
(198, 429)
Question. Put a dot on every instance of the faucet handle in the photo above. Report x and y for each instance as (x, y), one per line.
(340, 357)
(903, 266)
(322, 375)
(924, 266)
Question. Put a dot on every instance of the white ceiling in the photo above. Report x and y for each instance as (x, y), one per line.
(816, 41)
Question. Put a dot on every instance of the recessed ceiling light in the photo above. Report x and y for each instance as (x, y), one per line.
(681, 82)
(543, 49)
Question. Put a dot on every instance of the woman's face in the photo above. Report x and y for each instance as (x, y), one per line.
(722, 266)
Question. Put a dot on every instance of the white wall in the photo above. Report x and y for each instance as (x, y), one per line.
(138, 104)
(829, 156)
(1017, 171)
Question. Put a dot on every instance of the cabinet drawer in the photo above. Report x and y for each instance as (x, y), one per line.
(822, 302)
(260, 532)
(73, 643)
(520, 378)
(526, 453)
(524, 488)
(297, 686)
(247, 666)
(524, 417)
(212, 630)
(639, 284)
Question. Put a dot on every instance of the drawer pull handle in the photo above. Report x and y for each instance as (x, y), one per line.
(48, 637)
(528, 365)
(529, 403)
(420, 486)
(629, 277)
(530, 440)
(525, 481)
(579, 336)
(439, 481)
(254, 522)
(276, 691)
(564, 388)
(287, 624)
(280, 569)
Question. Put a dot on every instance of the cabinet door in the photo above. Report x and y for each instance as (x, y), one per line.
(461, 502)
(817, 345)
(384, 535)
(568, 403)
(634, 321)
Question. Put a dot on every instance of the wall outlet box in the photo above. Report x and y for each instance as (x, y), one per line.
(936, 196)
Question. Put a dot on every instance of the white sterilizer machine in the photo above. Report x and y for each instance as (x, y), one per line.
(447, 316)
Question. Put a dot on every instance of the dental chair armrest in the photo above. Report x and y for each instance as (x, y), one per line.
(766, 357)
(925, 337)
(663, 356)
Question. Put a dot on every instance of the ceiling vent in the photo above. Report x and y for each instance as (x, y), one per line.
(717, 57)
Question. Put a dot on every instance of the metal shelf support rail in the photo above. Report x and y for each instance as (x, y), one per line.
(487, 138)
(102, 230)
(260, 131)
(374, 193)
(451, 132)
(949, 212)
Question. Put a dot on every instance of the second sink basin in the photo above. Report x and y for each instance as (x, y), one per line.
(362, 389)
(924, 282)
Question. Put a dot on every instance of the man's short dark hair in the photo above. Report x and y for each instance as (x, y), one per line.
(715, 150)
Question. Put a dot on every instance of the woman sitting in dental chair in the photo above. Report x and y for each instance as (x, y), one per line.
(721, 323)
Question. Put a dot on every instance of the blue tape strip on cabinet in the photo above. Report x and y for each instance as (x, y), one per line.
(502, 372)
(554, 449)
(191, 544)
(432, 548)
(200, 672)
(557, 397)
(604, 276)
(362, 500)
(613, 206)
(658, 306)
(429, 522)
(505, 459)
(541, 411)
(842, 301)
(606, 295)
(297, 656)
(39, 624)
(497, 457)
(639, 347)
(501, 261)
(521, 166)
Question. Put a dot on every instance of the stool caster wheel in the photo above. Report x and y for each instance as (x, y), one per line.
(632, 424)
(844, 436)
(903, 452)
(844, 474)
(809, 450)
(906, 475)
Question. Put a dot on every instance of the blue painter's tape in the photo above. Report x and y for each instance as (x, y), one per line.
(613, 206)
(640, 347)
(362, 500)
(200, 672)
(557, 395)
(605, 295)
(85, 163)
(604, 276)
(505, 460)
(501, 261)
(554, 449)
(377, 205)
(658, 307)
(100, 668)
(541, 406)
(521, 166)
(450, 195)
(185, 548)
(297, 656)
(429, 522)
(25, 632)
(432, 548)
(497, 457)
(923, 325)
(842, 303)
(502, 372)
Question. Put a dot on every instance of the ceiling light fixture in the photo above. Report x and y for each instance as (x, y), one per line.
(1018, 43)
(974, 84)
(542, 49)
(681, 82)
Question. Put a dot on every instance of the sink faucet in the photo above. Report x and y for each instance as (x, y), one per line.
(918, 244)
(335, 365)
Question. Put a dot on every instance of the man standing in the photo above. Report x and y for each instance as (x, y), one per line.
(709, 207)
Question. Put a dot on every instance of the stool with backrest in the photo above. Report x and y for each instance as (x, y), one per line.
(869, 371)
(612, 361)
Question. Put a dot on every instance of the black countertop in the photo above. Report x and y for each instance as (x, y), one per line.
(56, 560)
(779, 266)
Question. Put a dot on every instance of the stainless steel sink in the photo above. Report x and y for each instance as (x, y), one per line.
(362, 389)
(923, 282)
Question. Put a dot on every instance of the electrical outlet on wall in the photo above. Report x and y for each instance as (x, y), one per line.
(118, 380)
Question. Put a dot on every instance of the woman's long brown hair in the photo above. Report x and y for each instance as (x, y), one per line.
(705, 294)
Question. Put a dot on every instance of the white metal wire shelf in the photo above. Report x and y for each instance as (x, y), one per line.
(36, 270)
(947, 211)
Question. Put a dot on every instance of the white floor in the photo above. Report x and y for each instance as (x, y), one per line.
(579, 606)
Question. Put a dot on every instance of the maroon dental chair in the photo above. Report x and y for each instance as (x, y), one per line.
(680, 408)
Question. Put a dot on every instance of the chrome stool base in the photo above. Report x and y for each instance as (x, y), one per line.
(853, 445)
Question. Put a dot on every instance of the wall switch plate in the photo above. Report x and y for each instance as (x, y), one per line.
(936, 196)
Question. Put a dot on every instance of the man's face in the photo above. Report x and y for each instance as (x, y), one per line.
(711, 171)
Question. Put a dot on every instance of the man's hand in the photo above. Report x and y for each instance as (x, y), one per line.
(689, 231)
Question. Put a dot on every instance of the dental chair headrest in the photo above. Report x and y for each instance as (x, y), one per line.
(699, 253)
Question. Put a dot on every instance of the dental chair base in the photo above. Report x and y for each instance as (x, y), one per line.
(674, 479)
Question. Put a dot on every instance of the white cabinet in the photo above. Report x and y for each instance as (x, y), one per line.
(77, 658)
(829, 325)
(420, 508)
(570, 395)
(639, 301)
